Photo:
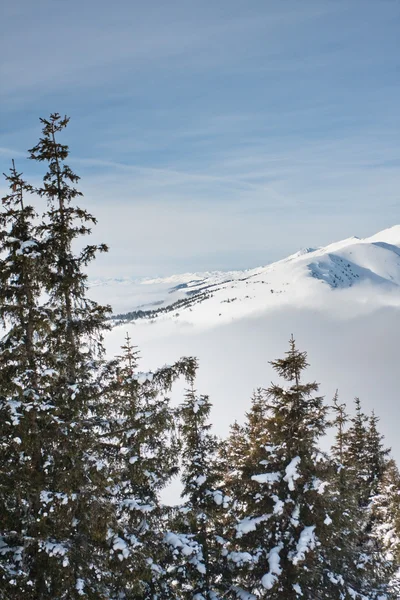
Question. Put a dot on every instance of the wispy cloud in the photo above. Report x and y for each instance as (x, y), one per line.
(213, 135)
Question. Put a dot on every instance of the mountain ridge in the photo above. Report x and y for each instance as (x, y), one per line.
(343, 264)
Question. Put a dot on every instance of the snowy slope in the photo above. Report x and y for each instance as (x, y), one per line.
(222, 297)
(341, 302)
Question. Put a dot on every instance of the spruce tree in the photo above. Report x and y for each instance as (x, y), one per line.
(74, 315)
(68, 486)
(285, 529)
(23, 401)
(354, 453)
(386, 524)
(51, 400)
(196, 537)
(346, 513)
(365, 459)
(140, 444)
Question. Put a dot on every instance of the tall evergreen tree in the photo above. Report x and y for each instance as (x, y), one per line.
(23, 404)
(199, 546)
(74, 315)
(354, 453)
(240, 451)
(386, 524)
(141, 446)
(71, 490)
(285, 530)
(365, 458)
(346, 512)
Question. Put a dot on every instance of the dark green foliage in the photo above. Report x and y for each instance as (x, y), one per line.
(284, 527)
(141, 446)
(196, 536)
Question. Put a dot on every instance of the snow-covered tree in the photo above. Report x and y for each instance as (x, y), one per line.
(347, 516)
(23, 400)
(196, 537)
(365, 458)
(364, 454)
(285, 529)
(140, 444)
(386, 523)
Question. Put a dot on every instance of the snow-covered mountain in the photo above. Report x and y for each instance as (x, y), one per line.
(341, 302)
(206, 298)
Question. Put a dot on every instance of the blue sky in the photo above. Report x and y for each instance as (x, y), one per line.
(213, 134)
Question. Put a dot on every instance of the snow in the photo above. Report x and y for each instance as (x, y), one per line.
(297, 589)
(241, 336)
(240, 558)
(270, 578)
(278, 506)
(197, 404)
(242, 594)
(269, 478)
(235, 294)
(220, 498)
(291, 472)
(121, 547)
(180, 542)
(26, 245)
(249, 524)
(200, 480)
(53, 548)
(80, 586)
(305, 544)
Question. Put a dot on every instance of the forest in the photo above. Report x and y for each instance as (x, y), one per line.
(88, 443)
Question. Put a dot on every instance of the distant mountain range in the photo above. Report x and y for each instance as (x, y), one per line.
(341, 303)
(227, 296)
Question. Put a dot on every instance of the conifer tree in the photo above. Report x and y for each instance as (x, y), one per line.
(346, 513)
(234, 452)
(354, 453)
(52, 407)
(339, 422)
(365, 459)
(22, 406)
(239, 453)
(284, 532)
(68, 488)
(74, 315)
(141, 445)
(377, 455)
(198, 545)
(386, 524)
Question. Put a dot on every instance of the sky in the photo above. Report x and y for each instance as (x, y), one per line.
(212, 135)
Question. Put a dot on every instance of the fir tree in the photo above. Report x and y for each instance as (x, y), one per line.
(140, 443)
(386, 524)
(354, 453)
(74, 315)
(284, 532)
(346, 512)
(198, 545)
(365, 459)
(23, 356)
(52, 407)
(339, 422)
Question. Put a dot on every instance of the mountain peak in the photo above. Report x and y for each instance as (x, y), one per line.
(391, 235)
(223, 296)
